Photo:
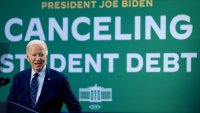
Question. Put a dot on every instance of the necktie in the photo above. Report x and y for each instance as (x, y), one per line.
(33, 89)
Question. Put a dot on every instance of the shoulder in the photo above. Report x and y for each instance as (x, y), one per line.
(22, 76)
(56, 74)
(23, 73)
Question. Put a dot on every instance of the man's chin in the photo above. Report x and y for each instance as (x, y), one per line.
(38, 68)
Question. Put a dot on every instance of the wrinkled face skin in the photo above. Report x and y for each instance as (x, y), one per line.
(37, 56)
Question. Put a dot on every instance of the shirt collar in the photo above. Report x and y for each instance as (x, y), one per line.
(41, 73)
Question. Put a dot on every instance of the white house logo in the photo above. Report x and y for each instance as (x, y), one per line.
(95, 94)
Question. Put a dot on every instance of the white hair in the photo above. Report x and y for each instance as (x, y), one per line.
(37, 42)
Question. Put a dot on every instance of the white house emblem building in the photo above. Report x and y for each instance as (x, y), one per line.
(95, 94)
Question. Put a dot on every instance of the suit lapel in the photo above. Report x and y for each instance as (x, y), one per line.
(46, 84)
(27, 78)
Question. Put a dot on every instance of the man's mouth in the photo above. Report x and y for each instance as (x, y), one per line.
(37, 63)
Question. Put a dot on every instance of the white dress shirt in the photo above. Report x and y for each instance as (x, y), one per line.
(40, 80)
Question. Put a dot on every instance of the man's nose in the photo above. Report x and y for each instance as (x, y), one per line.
(38, 57)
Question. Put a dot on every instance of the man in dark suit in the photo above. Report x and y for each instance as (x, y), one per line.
(41, 88)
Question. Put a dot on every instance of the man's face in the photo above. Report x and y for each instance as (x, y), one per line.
(36, 55)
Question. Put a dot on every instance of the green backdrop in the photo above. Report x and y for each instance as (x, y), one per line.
(139, 60)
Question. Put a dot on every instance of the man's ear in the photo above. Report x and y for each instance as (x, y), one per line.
(27, 58)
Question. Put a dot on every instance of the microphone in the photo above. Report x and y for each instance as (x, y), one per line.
(4, 82)
(1, 79)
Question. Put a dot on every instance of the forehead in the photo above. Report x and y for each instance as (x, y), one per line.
(36, 47)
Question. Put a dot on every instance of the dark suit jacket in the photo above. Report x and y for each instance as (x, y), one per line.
(56, 90)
